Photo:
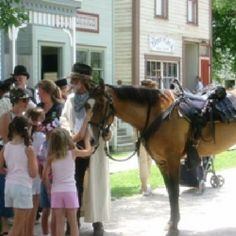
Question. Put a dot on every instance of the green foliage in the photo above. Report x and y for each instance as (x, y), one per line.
(12, 14)
(127, 183)
(224, 35)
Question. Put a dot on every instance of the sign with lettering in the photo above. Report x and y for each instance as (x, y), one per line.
(161, 43)
(87, 22)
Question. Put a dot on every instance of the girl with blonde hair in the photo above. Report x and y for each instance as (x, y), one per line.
(61, 161)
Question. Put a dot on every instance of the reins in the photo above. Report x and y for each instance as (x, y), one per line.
(120, 160)
(101, 125)
(137, 145)
(143, 137)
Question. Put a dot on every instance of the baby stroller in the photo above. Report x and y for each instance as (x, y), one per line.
(196, 177)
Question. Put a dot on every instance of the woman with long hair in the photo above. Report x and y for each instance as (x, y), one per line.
(51, 100)
(51, 103)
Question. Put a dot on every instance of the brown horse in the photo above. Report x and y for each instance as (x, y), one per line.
(167, 140)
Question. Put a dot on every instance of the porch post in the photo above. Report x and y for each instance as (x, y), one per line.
(74, 39)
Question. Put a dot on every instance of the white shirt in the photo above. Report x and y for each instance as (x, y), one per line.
(17, 165)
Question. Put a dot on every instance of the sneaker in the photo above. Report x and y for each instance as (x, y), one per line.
(148, 192)
(98, 229)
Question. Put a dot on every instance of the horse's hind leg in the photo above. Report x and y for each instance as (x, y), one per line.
(170, 173)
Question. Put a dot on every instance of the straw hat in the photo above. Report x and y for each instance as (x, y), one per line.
(149, 83)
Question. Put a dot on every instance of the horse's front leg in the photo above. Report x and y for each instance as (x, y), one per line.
(170, 173)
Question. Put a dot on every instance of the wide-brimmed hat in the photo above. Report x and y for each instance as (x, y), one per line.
(21, 70)
(18, 93)
(149, 83)
(82, 69)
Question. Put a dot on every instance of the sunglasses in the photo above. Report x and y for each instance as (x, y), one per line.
(25, 100)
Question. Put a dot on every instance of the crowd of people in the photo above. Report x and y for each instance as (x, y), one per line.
(45, 155)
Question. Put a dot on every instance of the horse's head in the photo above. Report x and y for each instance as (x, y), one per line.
(103, 112)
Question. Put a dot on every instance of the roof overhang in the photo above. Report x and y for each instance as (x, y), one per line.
(69, 3)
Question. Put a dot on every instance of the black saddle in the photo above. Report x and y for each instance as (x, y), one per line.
(214, 105)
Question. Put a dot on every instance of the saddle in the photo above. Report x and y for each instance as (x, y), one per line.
(213, 105)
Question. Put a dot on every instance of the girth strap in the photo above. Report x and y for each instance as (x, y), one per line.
(155, 125)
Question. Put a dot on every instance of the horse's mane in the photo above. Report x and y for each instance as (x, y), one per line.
(137, 94)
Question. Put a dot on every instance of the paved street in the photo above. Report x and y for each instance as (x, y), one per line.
(210, 214)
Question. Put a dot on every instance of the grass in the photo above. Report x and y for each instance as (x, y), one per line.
(127, 183)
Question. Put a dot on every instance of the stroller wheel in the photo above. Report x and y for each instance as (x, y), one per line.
(221, 180)
(216, 181)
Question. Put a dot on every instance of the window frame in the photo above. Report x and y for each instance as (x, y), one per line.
(159, 77)
(194, 12)
(89, 51)
(164, 9)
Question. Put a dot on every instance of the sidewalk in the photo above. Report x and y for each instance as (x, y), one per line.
(209, 214)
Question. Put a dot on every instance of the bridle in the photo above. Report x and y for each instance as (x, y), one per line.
(104, 124)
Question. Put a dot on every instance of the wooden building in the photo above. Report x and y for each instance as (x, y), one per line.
(162, 40)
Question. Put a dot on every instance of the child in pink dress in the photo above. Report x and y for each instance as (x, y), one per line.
(61, 161)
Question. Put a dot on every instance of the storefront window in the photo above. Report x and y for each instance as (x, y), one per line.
(169, 73)
(93, 58)
(82, 57)
(162, 72)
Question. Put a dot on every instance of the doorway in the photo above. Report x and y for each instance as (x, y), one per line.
(191, 62)
(50, 62)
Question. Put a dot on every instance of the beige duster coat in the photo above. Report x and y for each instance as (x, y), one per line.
(96, 201)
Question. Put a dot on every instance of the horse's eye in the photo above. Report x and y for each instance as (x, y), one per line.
(87, 106)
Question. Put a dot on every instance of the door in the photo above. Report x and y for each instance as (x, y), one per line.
(205, 71)
(50, 62)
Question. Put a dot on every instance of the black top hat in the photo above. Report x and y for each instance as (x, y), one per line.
(82, 69)
(21, 70)
(61, 82)
(17, 94)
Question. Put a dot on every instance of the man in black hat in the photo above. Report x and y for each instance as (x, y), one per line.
(75, 119)
(21, 77)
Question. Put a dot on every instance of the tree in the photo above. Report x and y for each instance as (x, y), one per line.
(224, 35)
(12, 14)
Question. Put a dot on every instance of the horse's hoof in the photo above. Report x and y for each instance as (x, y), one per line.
(173, 232)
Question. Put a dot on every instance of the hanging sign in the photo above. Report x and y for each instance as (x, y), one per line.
(161, 43)
(87, 22)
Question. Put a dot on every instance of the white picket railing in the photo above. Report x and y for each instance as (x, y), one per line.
(49, 19)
